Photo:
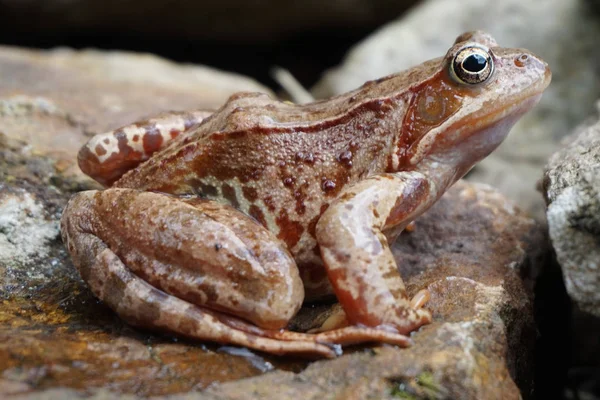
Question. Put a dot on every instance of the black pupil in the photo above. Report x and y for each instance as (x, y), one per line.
(474, 63)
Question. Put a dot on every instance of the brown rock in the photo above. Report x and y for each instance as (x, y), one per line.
(55, 100)
(473, 250)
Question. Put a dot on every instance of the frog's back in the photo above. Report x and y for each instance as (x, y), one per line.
(284, 172)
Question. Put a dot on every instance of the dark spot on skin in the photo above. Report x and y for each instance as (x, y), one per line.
(188, 324)
(290, 231)
(289, 181)
(207, 190)
(256, 213)
(149, 311)
(174, 133)
(346, 196)
(342, 258)
(152, 140)
(300, 197)
(346, 158)
(392, 272)
(100, 150)
(375, 213)
(328, 185)
(270, 203)
(230, 196)
(401, 312)
(211, 293)
(106, 141)
(136, 137)
(250, 193)
(218, 246)
(114, 290)
(376, 105)
(126, 152)
(349, 207)
(307, 158)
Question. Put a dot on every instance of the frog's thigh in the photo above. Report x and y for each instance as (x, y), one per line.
(107, 156)
(143, 305)
(202, 252)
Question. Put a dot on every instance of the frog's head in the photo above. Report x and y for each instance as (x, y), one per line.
(463, 112)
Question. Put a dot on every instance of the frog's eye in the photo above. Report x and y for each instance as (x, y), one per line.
(472, 65)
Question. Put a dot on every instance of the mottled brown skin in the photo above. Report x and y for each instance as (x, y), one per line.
(227, 228)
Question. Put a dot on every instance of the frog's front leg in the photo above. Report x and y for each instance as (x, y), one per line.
(194, 267)
(107, 156)
(356, 253)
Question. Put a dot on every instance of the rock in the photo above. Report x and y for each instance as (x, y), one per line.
(571, 188)
(232, 20)
(572, 192)
(561, 32)
(56, 100)
(481, 340)
(475, 251)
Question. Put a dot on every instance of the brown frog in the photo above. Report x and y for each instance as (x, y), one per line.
(218, 226)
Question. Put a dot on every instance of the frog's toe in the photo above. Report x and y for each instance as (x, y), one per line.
(361, 334)
(420, 299)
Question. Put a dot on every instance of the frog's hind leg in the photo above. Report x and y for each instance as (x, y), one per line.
(185, 266)
(142, 305)
(162, 263)
(107, 156)
(197, 268)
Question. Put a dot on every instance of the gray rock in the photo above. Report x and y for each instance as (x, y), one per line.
(563, 32)
(572, 192)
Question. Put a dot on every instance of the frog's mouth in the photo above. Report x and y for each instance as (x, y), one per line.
(485, 129)
(493, 112)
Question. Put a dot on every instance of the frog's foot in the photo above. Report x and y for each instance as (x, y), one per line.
(420, 299)
(107, 156)
(338, 319)
(342, 336)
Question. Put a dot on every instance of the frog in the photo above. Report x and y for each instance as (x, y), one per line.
(219, 225)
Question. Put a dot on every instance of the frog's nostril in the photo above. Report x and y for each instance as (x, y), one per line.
(522, 60)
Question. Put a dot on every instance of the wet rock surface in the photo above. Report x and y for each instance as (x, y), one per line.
(572, 192)
(558, 31)
(474, 250)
